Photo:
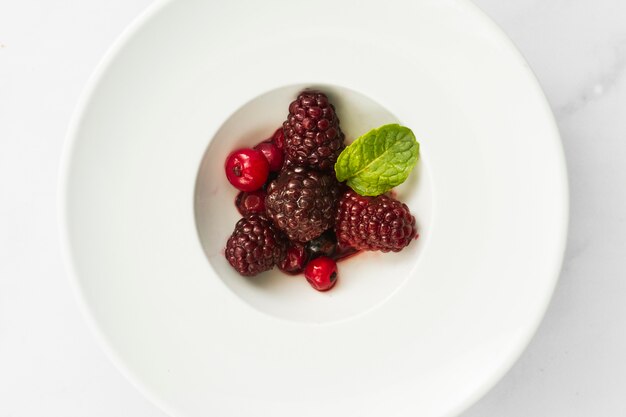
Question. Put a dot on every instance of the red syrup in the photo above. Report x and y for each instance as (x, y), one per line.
(344, 253)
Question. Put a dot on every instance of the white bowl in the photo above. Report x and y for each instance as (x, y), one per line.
(366, 280)
(145, 209)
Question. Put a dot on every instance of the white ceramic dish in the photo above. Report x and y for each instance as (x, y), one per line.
(145, 209)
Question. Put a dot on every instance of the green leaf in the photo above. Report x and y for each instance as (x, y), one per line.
(379, 160)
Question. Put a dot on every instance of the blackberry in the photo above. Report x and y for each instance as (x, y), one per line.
(323, 245)
(302, 202)
(374, 223)
(313, 137)
(255, 245)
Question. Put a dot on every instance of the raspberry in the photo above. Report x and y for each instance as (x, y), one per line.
(255, 245)
(302, 202)
(313, 137)
(374, 223)
(321, 273)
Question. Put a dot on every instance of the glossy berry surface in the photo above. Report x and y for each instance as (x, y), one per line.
(321, 273)
(273, 154)
(247, 169)
(374, 223)
(323, 245)
(278, 138)
(250, 202)
(302, 202)
(294, 260)
(255, 245)
(313, 137)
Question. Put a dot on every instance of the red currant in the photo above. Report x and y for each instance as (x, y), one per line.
(249, 202)
(294, 260)
(321, 273)
(247, 169)
(278, 138)
(273, 155)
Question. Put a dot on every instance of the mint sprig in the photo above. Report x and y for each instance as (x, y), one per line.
(379, 160)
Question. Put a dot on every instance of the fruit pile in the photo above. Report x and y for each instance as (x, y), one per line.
(308, 201)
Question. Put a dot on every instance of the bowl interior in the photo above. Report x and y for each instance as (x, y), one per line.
(146, 209)
(365, 280)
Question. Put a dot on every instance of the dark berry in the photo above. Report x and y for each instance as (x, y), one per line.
(321, 273)
(255, 245)
(294, 260)
(273, 155)
(302, 202)
(313, 137)
(247, 169)
(249, 202)
(323, 245)
(270, 178)
(374, 223)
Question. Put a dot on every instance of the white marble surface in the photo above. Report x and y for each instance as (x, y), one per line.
(50, 364)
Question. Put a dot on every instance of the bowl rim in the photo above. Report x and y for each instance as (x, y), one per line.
(71, 139)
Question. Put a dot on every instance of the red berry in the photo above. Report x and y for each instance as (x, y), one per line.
(247, 169)
(294, 260)
(278, 138)
(321, 273)
(273, 155)
(255, 245)
(249, 202)
(374, 223)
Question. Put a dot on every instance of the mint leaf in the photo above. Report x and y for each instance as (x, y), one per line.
(379, 160)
